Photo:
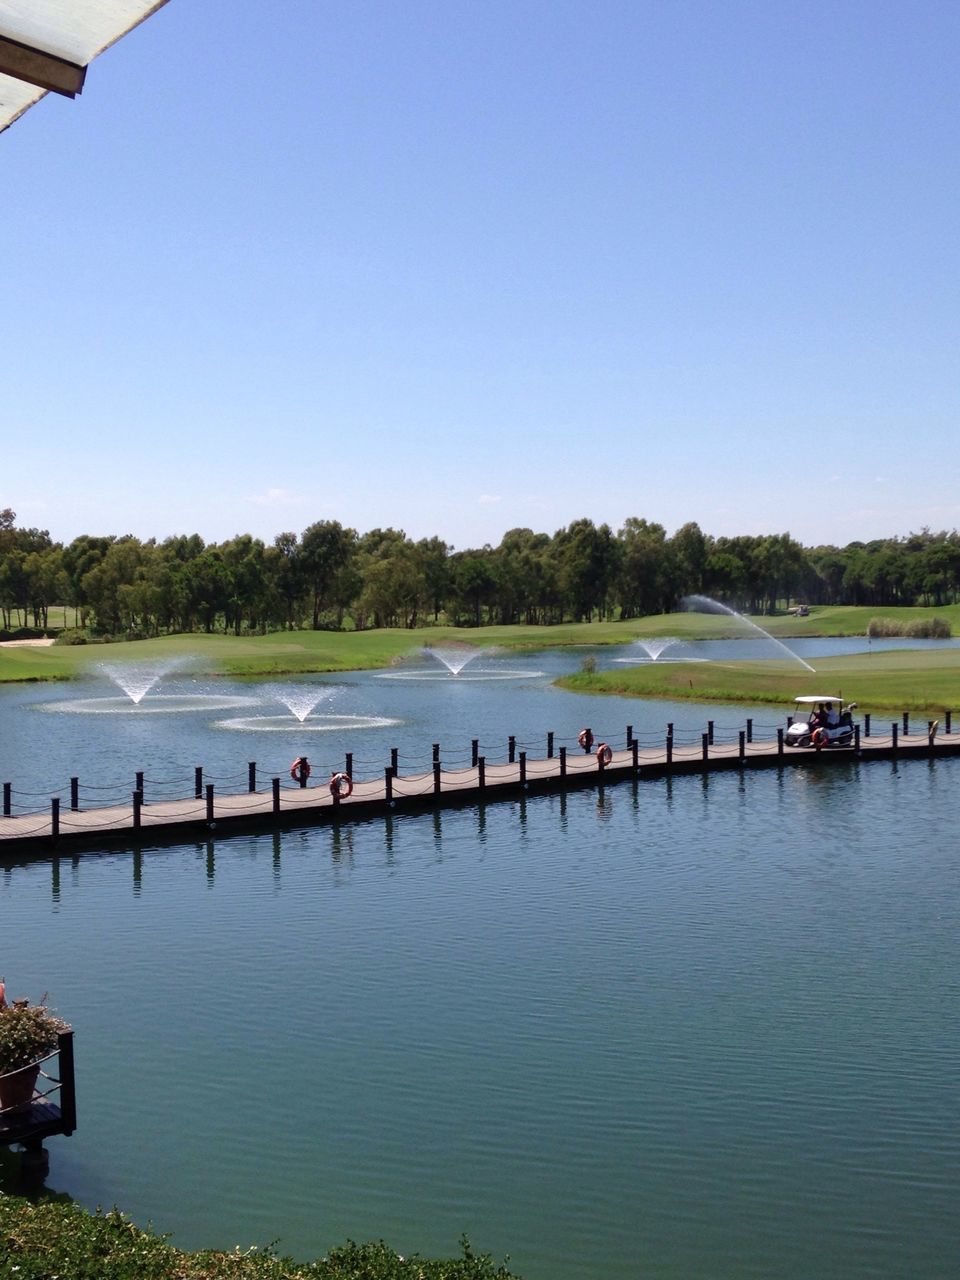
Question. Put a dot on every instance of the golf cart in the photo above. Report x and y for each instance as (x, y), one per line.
(813, 725)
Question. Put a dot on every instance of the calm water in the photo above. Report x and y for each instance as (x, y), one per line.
(677, 1029)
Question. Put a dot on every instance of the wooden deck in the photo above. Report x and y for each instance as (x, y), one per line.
(160, 821)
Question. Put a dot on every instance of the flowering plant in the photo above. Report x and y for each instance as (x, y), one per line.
(28, 1032)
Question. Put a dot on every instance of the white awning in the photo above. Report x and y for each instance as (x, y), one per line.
(47, 45)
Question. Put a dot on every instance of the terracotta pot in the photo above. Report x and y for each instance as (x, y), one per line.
(16, 1089)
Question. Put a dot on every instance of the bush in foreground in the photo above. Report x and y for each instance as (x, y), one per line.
(52, 1240)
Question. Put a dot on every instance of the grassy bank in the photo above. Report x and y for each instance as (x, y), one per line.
(50, 1240)
(893, 681)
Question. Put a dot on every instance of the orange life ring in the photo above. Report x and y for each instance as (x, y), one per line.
(341, 785)
(604, 755)
(819, 738)
(300, 770)
(585, 738)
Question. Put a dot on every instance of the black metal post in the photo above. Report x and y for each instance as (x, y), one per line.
(635, 748)
(388, 783)
(348, 764)
(511, 750)
(906, 722)
(474, 752)
(436, 777)
(74, 794)
(275, 783)
(523, 768)
(139, 782)
(893, 734)
(629, 736)
(137, 805)
(749, 730)
(563, 762)
(55, 817)
(946, 721)
(856, 738)
(705, 746)
(710, 731)
(780, 741)
(866, 725)
(670, 746)
(198, 782)
(482, 772)
(436, 753)
(394, 760)
(68, 1086)
(210, 802)
(7, 806)
(550, 745)
(743, 745)
(251, 776)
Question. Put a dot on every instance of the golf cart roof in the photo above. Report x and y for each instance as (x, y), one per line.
(819, 697)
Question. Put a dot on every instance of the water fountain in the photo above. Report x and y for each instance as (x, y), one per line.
(652, 647)
(454, 658)
(136, 679)
(450, 661)
(138, 683)
(704, 604)
(301, 702)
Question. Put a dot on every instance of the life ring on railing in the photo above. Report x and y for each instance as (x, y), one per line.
(341, 786)
(604, 755)
(585, 738)
(819, 738)
(300, 770)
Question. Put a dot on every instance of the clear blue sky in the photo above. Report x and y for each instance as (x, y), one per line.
(461, 267)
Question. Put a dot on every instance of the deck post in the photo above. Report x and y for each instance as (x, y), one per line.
(137, 805)
(946, 721)
(742, 744)
(635, 748)
(906, 723)
(209, 802)
(749, 730)
(138, 785)
(669, 744)
(275, 785)
(55, 817)
(931, 733)
(348, 764)
(394, 760)
(198, 782)
(388, 783)
(710, 732)
(856, 739)
(523, 768)
(482, 772)
(68, 1087)
(511, 750)
(436, 777)
(550, 745)
(629, 736)
(789, 721)
(704, 747)
(436, 753)
(893, 735)
(251, 776)
(780, 741)
(474, 752)
(563, 762)
(866, 724)
(7, 807)
(74, 794)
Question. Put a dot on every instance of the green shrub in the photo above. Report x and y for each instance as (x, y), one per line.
(916, 628)
(50, 1239)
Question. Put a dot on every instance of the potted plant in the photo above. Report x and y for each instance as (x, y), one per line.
(28, 1032)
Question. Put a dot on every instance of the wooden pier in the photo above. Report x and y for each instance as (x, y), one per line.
(51, 1110)
(143, 819)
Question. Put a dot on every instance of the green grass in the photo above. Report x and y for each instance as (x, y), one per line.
(49, 1240)
(898, 680)
(895, 680)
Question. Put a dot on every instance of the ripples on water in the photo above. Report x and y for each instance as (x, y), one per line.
(691, 1028)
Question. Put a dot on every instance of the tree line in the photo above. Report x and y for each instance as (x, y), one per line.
(329, 576)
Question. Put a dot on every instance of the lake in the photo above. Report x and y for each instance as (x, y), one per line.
(678, 1028)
